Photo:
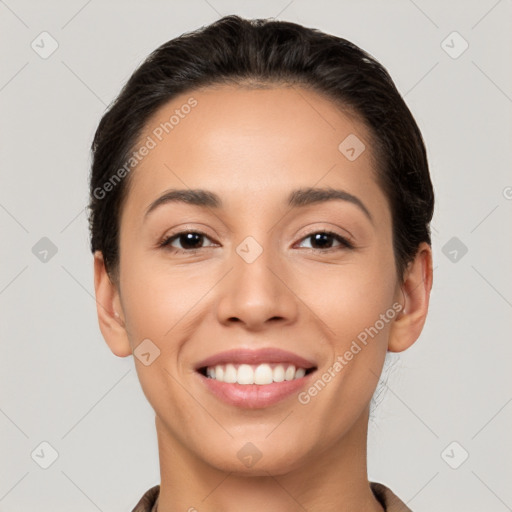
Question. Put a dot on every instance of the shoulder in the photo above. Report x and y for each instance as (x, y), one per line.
(148, 501)
(390, 501)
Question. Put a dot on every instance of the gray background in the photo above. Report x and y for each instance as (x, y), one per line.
(60, 383)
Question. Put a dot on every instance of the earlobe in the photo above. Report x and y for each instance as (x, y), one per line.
(416, 289)
(109, 310)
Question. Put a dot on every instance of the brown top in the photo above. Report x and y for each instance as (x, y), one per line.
(390, 502)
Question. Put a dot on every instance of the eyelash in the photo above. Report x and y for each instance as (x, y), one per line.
(165, 243)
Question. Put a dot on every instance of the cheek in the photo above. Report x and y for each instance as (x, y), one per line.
(350, 298)
(162, 301)
(159, 306)
(358, 311)
(147, 290)
(360, 319)
(356, 303)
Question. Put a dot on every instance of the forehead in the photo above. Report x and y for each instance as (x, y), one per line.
(252, 143)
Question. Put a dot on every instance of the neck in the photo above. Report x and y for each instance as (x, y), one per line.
(334, 481)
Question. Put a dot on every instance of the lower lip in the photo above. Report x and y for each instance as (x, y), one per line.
(254, 396)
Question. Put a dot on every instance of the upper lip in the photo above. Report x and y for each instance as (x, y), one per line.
(249, 356)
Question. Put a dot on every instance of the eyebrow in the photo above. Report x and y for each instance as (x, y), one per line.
(298, 198)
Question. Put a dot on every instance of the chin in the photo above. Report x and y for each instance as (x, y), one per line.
(253, 458)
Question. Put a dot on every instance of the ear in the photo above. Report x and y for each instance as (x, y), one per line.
(109, 309)
(416, 287)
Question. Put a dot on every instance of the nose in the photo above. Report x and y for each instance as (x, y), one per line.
(257, 293)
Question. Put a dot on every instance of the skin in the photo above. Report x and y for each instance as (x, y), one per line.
(253, 147)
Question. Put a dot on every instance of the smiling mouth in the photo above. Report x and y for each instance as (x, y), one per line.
(259, 374)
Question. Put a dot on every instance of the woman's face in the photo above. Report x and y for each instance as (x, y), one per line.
(261, 288)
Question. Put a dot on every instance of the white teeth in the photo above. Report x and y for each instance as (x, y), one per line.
(290, 372)
(245, 374)
(263, 374)
(254, 374)
(230, 374)
(298, 374)
(278, 375)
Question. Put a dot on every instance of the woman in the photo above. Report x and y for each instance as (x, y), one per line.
(260, 209)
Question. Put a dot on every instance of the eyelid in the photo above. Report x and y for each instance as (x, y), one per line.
(189, 227)
(332, 229)
(168, 238)
(346, 242)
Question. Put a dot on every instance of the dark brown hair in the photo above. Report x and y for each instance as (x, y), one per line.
(260, 52)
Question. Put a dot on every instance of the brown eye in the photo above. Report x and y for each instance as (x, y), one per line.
(324, 241)
(190, 241)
